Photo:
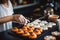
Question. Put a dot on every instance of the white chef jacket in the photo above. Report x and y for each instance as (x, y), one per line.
(4, 11)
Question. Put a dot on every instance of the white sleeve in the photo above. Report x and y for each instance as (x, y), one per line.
(11, 6)
(0, 12)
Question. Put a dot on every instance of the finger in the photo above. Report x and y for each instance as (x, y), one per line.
(25, 22)
(28, 20)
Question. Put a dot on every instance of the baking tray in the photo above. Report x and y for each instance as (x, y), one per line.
(40, 37)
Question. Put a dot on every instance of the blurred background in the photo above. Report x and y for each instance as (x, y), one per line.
(33, 9)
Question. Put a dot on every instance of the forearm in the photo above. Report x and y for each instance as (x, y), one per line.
(6, 19)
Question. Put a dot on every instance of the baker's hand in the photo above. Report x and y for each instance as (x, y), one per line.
(20, 19)
(23, 20)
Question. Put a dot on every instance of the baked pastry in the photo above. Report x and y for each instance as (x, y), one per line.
(36, 25)
(15, 29)
(40, 29)
(53, 18)
(32, 35)
(29, 30)
(26, 34)
(20, 31)
(56, 33)
(49, 38)
(31, 27)
(30, 24)
(37, 31)
(24, 28)
(44, 27)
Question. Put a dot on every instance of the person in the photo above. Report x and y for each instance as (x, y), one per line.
(7, 17)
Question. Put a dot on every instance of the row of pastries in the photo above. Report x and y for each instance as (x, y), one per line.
(42, 24)
(28, 31)
(53, 36)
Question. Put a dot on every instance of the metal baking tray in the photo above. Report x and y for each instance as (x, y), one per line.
(40, 37)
